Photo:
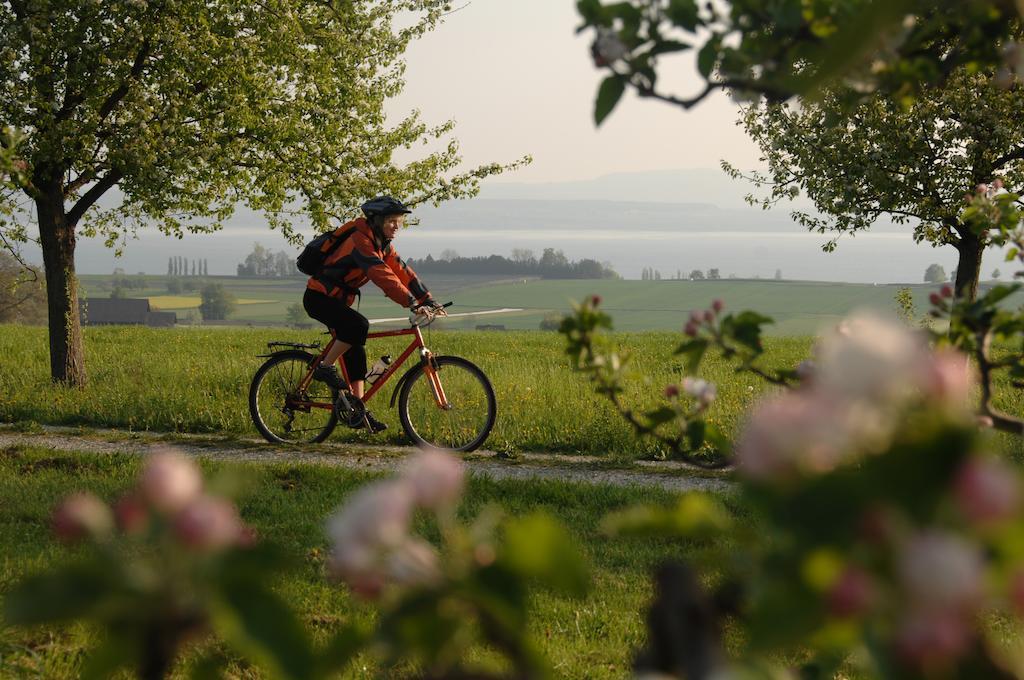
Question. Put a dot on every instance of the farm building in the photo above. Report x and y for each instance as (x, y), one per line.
(106, 311)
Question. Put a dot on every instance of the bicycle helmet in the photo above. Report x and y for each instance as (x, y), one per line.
(382, 206)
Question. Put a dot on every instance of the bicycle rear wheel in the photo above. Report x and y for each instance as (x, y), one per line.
(467, 420)
(284, 413)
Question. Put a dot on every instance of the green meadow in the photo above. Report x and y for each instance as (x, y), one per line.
(197, 379)
(798, 307)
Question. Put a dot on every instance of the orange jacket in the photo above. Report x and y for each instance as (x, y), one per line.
(361, 258)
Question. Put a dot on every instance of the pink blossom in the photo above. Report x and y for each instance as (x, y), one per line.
(701, 390)
(412, 563)
(436, 478)
(690, 329)
(81, 515)
(696, 317)
(131, 514)
(946, 291)
(852, 595)
(709, 316)
(608, 48)
(208, 523)
(672, 391)
(376, 515)
(940, 571)
(928, 639)
(718, 306)
(935, 299)
(987, 490)
(805, 370)
(595, 300)
(170, 481)
(873, 359)
(946, 378)
(789, 434)
(997, 184)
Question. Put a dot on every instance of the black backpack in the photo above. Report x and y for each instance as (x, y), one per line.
(311, 260)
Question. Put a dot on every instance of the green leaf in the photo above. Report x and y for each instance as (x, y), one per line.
(660, 416)
(257, 622)
(538, 547)
(683, 13)
(696, 515)
(668, 46)
(608, 96)
(707, 57)
(70, 593)
(695, 434)
(693, 353)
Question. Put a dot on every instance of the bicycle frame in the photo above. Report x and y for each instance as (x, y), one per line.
(416, 344)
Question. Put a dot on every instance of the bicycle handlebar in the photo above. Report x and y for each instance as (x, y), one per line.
(415, 317)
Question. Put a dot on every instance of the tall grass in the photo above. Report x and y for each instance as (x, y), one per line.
(197, 380)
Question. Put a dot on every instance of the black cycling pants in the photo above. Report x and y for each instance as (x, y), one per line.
(348, 325)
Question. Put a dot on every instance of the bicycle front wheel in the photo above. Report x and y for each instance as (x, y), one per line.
(284, 413)
(466, 416)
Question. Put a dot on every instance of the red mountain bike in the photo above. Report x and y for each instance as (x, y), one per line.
(443, 401)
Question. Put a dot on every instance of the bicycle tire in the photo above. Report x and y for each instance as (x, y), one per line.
(469, 392)
(286, 370)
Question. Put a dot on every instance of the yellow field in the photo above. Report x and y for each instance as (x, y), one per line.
(190, 301)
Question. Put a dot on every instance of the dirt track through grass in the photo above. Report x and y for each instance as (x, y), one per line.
(667, 475)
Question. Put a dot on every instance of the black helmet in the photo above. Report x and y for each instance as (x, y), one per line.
(382, 206)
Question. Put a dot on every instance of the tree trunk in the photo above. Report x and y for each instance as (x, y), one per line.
(968, 269)
(57, 237)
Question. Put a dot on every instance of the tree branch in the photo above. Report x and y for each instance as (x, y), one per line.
(115, 98)
(1001, 421)
(85, 202)
(1015, 155)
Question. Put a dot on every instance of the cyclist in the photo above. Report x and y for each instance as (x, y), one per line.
(366, 254)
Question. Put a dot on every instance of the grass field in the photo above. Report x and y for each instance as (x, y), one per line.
(197, 380)
(799, 307)
(591, 638)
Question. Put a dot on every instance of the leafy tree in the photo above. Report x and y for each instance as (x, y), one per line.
(913, 163)
(190, 107)
(714, 275)
(217, 302)
(934, 274)
(296, 314)
(696, 275)
(22, 293)
(783, 48)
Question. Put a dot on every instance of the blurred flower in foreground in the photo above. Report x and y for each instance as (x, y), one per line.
(370, 542)
(865, 376)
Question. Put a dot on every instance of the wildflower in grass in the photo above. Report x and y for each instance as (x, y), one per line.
(82, 515)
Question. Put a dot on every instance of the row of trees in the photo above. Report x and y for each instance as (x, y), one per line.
(552, 264)
(264, 263)
(935, 273)
(179, 266)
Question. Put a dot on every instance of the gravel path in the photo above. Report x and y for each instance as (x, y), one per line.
(668, 475)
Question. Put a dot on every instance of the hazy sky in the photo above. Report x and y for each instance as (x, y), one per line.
(518, 80)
